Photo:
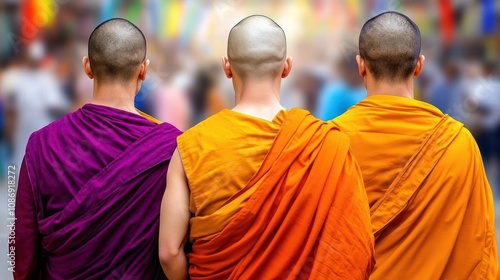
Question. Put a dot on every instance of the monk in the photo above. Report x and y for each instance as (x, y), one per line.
(266, 193)
(430, 201)
(90, 185)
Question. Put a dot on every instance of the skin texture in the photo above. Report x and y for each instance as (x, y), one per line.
(388, 64)
(251, 59)
(116, 49)
(117, 63)
(390, 45)
(256, 63)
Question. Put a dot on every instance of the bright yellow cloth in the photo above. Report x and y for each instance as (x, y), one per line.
(430, 201)
(220, 155)
(307, 217)
(148, 117)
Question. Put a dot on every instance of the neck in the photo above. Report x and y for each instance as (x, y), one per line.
(377, 87)
(115, 95)
(261, 99)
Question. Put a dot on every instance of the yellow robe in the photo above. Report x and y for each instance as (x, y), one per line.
(302, 215)
(148, 117)
(430, 201)
(225, 150)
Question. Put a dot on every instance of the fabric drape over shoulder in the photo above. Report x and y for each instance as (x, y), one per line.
(220, 155)
(307, 217)
(96, 178)
(431, 204)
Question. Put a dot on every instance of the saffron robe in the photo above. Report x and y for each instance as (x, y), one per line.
(431, 204)
(303, 214)
(89, 197)
(238, 157)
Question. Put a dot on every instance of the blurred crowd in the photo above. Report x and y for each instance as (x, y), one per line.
(43, 41)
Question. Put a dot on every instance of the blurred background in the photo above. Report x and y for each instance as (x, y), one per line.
(42, 43)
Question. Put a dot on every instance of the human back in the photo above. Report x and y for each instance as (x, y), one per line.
(235, 145)
(238, 139)
(422, 170)
(258, 185)
(94, 174)
(256, 61)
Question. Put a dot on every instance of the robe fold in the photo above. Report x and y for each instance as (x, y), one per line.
(306, 217)
(96, 179)
(236, 144)
(431, 205)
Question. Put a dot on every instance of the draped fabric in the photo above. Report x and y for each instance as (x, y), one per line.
(307, 216)
(431, 204)
(96, 178)
(220, 155)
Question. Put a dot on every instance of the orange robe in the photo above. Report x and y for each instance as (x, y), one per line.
(431, 204)
(302, 215)
(225, 150)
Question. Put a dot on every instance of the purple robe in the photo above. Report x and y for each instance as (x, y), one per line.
(89, 197)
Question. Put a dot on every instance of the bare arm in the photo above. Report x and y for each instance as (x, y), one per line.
(174, 221)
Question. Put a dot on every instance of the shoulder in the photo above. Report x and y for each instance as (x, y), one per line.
(324, 128)
(55, 129)
(345, 121)
(169, 128)
(211, 121)
(203, 130)
(462, 153)
(464, 142)
(463, 134)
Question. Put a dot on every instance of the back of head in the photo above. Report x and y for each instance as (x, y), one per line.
(390, 45)
(116, 49)
(257, 48)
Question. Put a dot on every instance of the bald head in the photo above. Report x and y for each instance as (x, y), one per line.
(257, 48)
(116, 50)
(390, 45)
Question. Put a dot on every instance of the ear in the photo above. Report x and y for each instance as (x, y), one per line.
(288, 67)
(420, 66)
(144, 69)
(86, 67)
(361, 66)
(226, 66)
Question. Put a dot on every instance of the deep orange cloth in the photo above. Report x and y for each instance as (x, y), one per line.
(220, 155)
(307, 216)
(431, 204)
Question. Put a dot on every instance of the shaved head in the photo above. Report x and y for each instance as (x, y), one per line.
(257, 48)
(116, 50)
(390, 45)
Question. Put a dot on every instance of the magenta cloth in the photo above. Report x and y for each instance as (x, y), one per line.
(89, 197)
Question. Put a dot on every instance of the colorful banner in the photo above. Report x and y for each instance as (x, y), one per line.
(488, 16)
(36, 14)
(447, 21)
(172, 13)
